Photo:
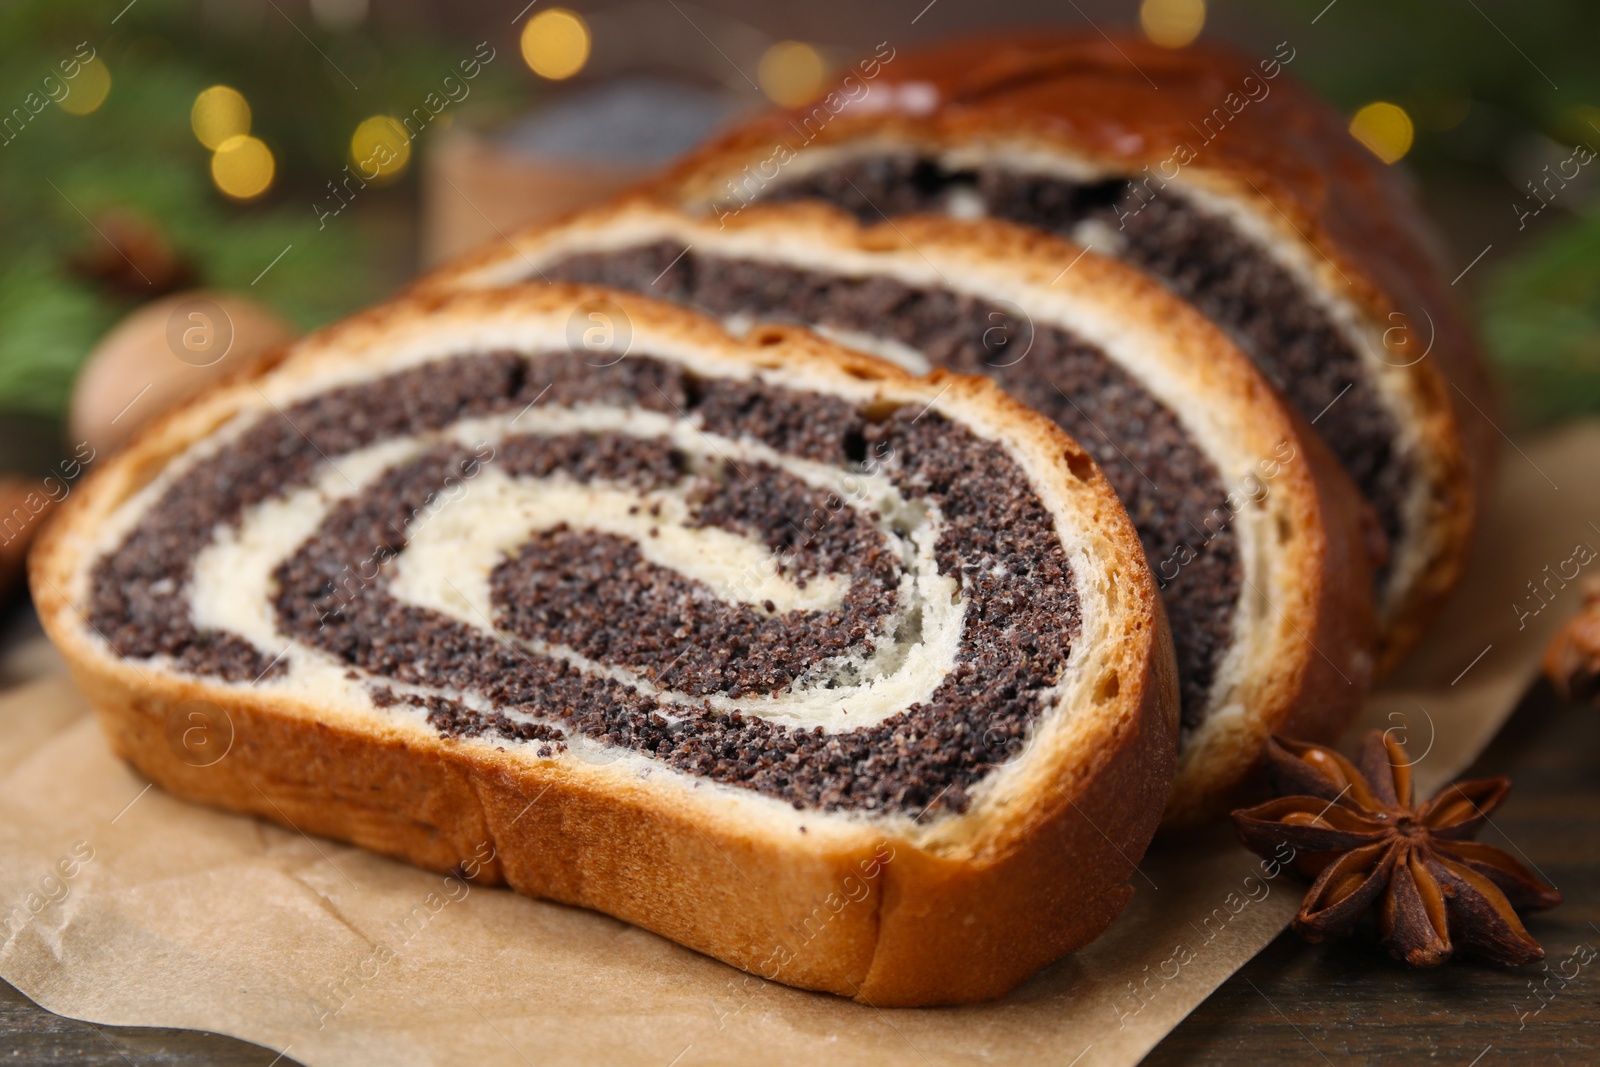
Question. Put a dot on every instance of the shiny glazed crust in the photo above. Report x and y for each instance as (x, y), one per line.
(1283, 161)
(886, 910)
(1302, 661)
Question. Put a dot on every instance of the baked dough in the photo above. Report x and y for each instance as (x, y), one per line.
(1258, 540)
(854, 680)
(1220, 177)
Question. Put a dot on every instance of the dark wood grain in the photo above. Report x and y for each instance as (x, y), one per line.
(1295, 1003)
(1348, 1003)
(30, 1035)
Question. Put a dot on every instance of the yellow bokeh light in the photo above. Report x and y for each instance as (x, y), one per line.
(89, 88)
(1172, 23)
(219, 113)
(555, 43)
(1384, 128)
(242, 167)
(791, 73)
(380, 149)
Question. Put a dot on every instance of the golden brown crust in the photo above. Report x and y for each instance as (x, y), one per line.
(1308, 666)
(1320, 692)
(1125, 104)
(845, 905)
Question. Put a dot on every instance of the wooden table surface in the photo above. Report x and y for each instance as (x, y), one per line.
(1294, 1003)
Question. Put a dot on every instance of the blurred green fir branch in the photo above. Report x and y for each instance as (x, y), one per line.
(1542, 322)
(1482, 110)
(136, 154)
(1498, 89)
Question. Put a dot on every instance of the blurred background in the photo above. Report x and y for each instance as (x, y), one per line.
(208, 178)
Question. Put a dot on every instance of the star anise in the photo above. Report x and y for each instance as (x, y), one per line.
(1353, 828)
(1572, 661)
(133, 256)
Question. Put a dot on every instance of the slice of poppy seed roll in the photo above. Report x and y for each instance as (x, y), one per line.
(698, 632)
(1255, 536)
(1221, 178)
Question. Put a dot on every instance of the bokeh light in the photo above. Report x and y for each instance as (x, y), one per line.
(219, 113)
(339, 15)
(791, 73)
(89, 89)
(555, 43)
(1385, 129)
(1172, 23)
(1580, 123)
(380, 148)
(243, 167)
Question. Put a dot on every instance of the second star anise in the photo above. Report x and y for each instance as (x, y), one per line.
(1355, 829)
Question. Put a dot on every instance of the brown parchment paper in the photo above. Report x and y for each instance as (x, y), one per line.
(129, 907)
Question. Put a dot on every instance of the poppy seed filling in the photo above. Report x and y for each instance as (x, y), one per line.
(581, 634)
(1171, 490)
(1200, 256)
